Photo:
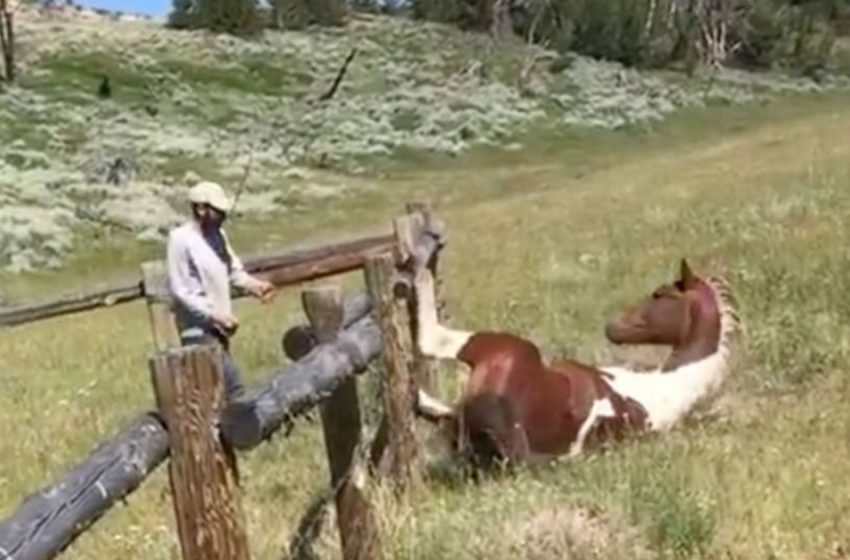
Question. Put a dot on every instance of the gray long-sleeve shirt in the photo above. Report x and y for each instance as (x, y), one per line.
(198, 279)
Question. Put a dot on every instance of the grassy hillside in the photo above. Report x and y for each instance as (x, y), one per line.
(551, 249)
(87, 171)
(548, 238)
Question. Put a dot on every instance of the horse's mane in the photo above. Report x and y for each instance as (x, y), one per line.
(730, 322)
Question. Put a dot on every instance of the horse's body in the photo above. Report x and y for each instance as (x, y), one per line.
(518, 408)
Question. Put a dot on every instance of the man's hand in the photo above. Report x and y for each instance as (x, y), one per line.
(226, 322)
(264, 291)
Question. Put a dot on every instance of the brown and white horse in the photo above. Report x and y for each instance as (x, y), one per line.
(517, 408)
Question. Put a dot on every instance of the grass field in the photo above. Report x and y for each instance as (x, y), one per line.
(549, 242)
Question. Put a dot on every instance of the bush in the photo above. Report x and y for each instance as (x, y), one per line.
(298, 14)
(776, 33)
(236, 17)
(182, 16)
(758, 33)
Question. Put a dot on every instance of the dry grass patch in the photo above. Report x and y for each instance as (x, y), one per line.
(571, 532)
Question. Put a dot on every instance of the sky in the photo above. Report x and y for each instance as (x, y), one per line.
(149, 7)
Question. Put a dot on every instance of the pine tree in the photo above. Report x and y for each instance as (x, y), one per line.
(182, 15)
(237, 17)
(297, 14)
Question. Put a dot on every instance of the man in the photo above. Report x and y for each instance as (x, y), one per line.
(202, 268)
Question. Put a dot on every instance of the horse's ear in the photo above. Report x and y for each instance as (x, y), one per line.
(686, 276)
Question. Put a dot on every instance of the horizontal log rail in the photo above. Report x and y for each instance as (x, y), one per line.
(70, 303)
(48, 521)
(281, 269)
(296, 388)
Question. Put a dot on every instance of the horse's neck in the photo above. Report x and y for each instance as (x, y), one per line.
(703, 340)
(671, 392)
(694, 369)
(690, 353)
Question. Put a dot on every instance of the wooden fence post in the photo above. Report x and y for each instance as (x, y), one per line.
(190, 395)
(155, 286)
(407, 230)
(398, 390)
(342, 430)
(429, 223)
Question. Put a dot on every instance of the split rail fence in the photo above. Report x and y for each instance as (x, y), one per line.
(199, 433)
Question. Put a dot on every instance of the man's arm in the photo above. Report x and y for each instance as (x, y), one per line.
(239, 277)
(182, 284)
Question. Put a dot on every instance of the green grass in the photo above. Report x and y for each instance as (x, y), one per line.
(76, 77)
(549, 241)
(248, 75)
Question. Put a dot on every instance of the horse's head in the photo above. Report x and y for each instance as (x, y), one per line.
(666, 316)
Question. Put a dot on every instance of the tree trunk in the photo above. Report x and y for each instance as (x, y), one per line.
(650, 19)
(277, 16)
(7, 41)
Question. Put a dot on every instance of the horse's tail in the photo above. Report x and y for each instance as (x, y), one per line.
(487, 431)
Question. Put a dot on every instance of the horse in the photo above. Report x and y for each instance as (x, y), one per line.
(516, 409)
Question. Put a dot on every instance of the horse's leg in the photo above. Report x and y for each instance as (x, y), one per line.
(515, 444)
(431, 408)
(599, 410)
(494, 432)
(435, 340)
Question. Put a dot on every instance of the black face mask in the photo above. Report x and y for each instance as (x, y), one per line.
(213, 235)
(218, 218)
(213, 218)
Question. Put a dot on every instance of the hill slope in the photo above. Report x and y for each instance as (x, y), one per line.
(75, 167)
(547, 238)
(547, 245)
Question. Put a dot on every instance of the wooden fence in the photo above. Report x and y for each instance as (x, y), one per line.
(199, 432)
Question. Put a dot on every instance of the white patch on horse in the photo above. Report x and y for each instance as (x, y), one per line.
(601, 408)
(433, 407)
(435, 340)
(668, 396)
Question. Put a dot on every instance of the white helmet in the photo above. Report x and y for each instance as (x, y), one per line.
(207, 192)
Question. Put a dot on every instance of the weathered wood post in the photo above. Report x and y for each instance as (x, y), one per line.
(190, 395)
(397, 388)
(342, 430)
(189, 388)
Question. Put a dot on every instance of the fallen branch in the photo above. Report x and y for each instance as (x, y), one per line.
(339, 76)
